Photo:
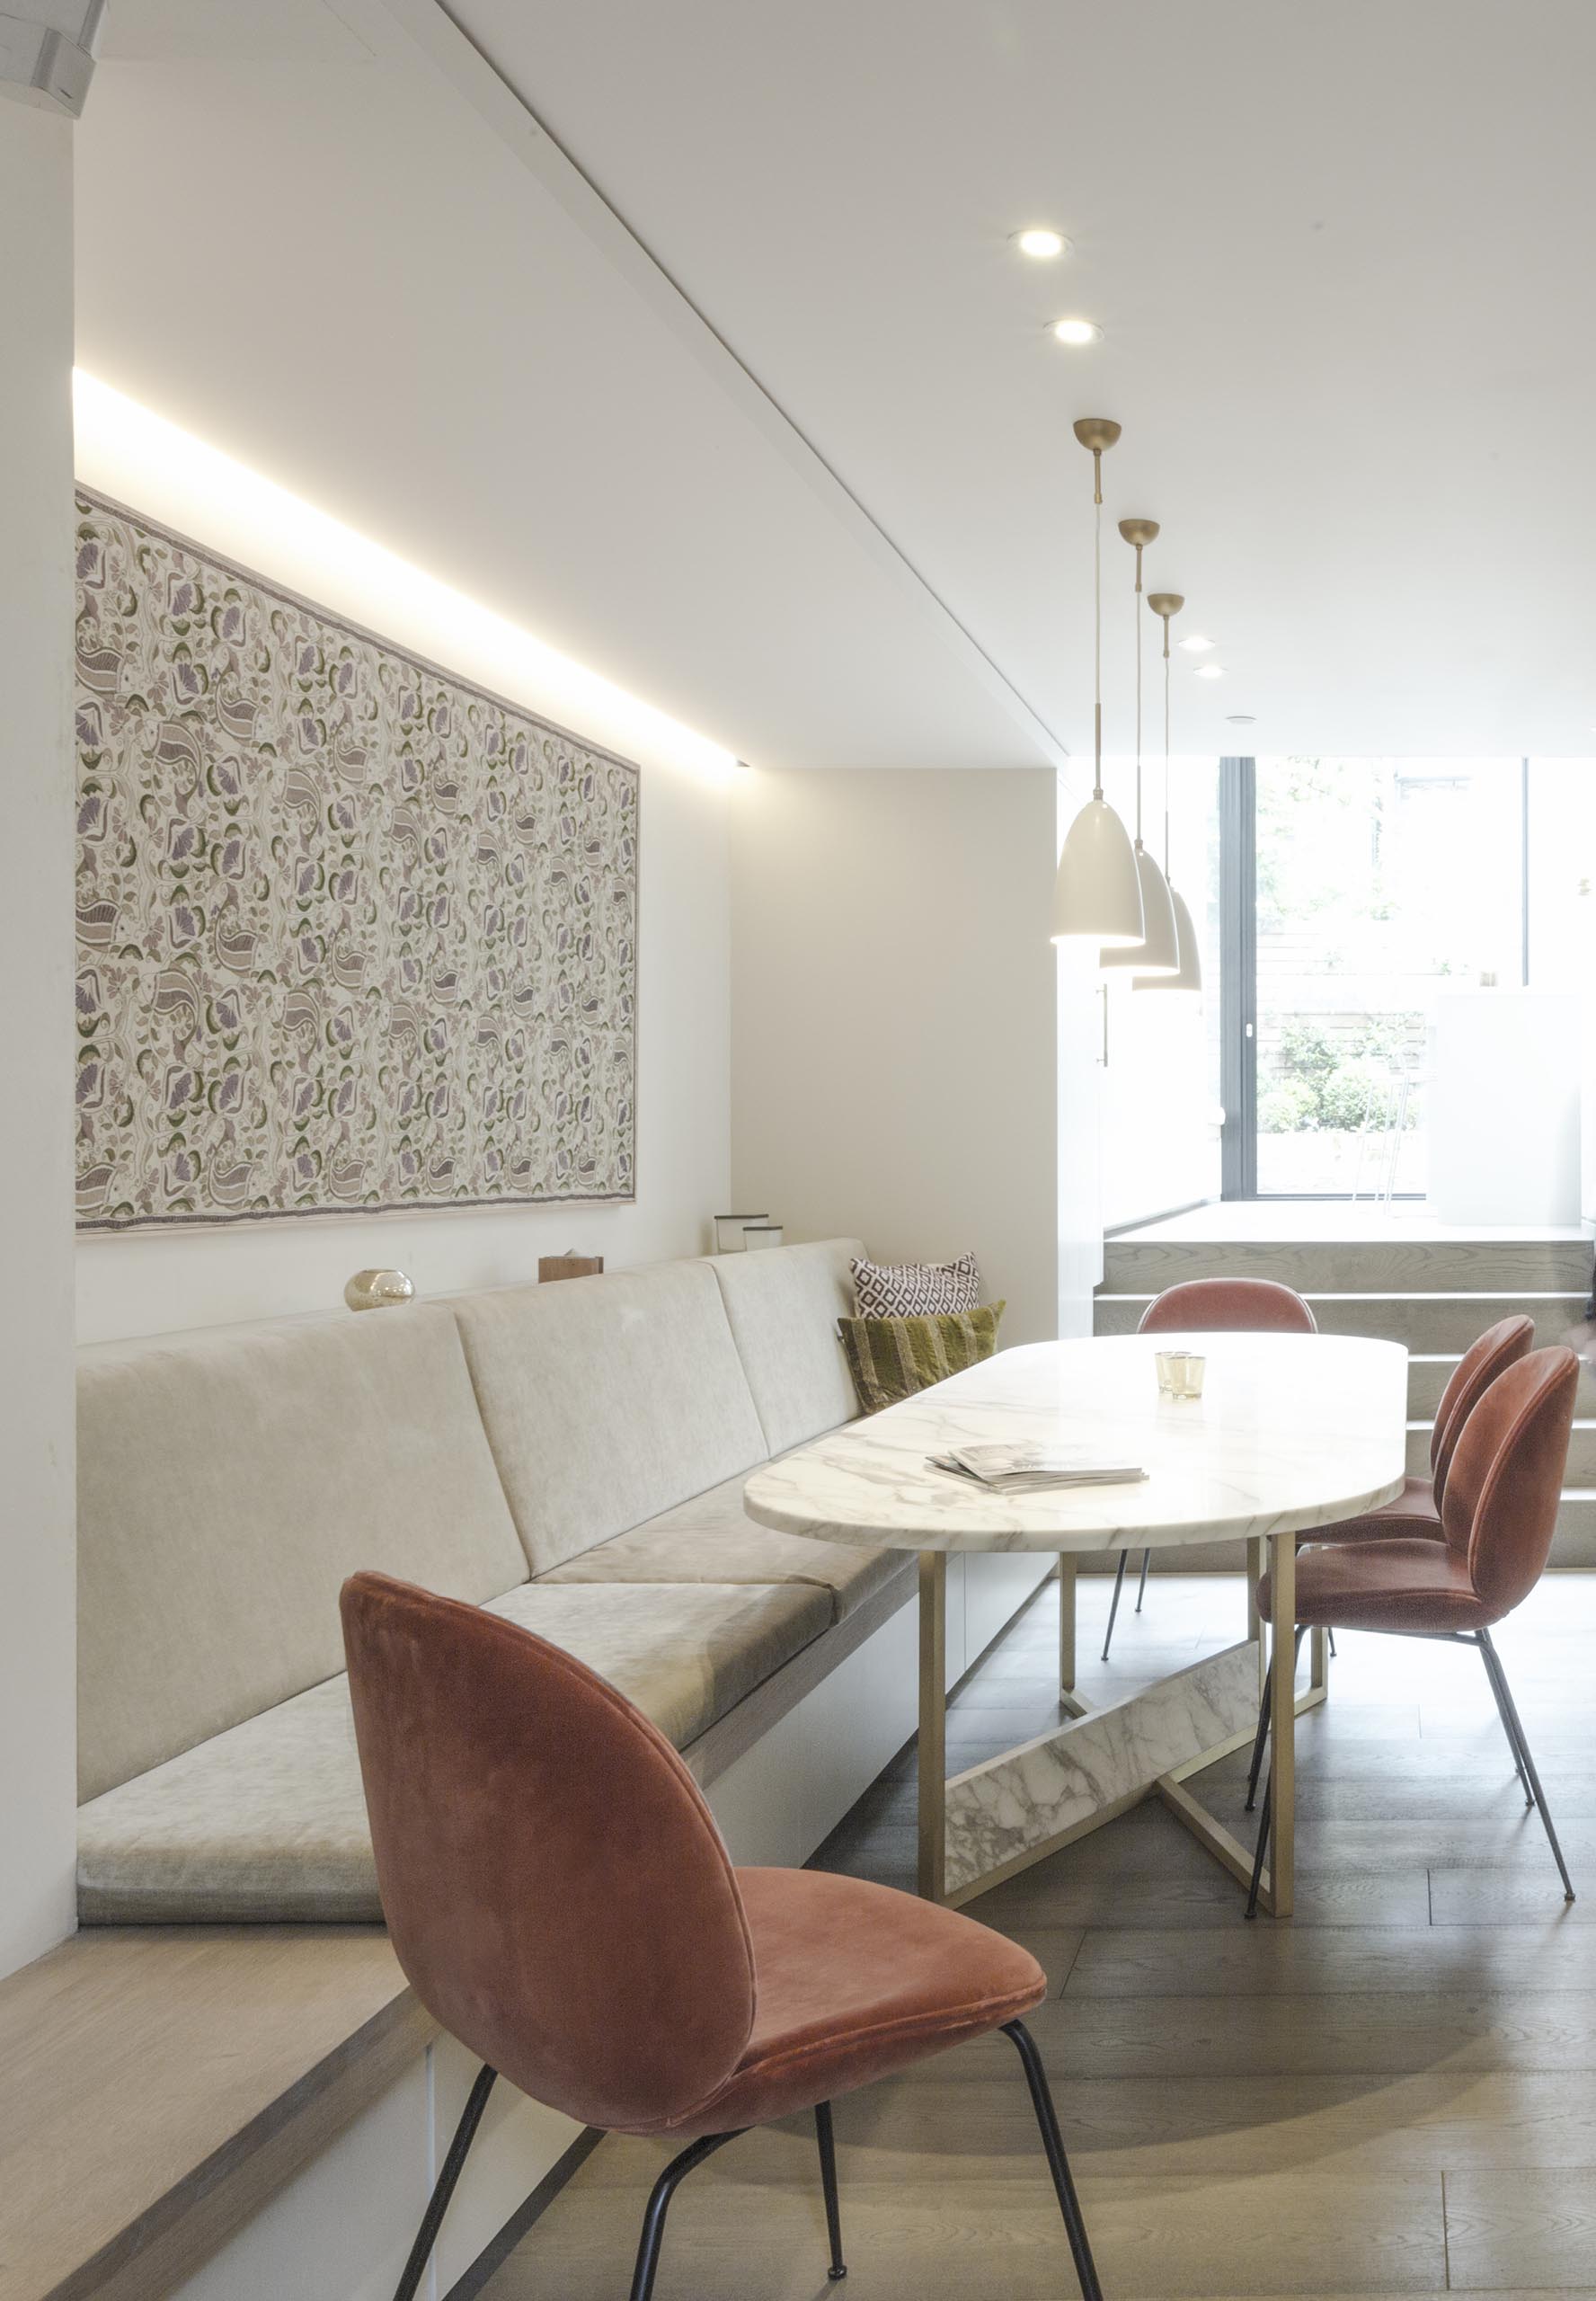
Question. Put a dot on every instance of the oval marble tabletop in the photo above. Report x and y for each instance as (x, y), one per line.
(1292, 1431)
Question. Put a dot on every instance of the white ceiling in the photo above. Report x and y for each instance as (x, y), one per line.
(1338, 255)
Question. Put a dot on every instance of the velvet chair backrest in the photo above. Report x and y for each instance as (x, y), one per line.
(1506, 1477)
(555, 1886)
(1498, 1349)
(1228, 1306)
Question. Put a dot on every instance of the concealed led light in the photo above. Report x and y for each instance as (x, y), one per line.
(1210, 672)
(1040, 242)
(1077, 332)
(130, 453)
(1196, 646)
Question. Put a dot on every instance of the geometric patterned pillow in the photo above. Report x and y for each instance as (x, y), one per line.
(893, 1358)
(915, 1289)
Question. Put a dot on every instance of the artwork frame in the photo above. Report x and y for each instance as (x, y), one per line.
(357, 935)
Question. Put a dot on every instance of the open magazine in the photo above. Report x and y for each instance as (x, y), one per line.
(1032, 1469)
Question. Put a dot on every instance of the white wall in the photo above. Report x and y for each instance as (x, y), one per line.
(37, 1630)
(896, 1028)
(148, 1282)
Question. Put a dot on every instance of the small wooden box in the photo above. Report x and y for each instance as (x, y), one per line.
(568, 1267)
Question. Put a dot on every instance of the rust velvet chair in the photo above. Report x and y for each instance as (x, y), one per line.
(1416, 1510)
(1211, 1306)
(562, 1902)
(1498, 1515)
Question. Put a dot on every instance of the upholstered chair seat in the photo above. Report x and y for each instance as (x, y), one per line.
(1416, 1583)
(853, 1981)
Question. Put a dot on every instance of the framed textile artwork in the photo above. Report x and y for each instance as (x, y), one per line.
(353, 936)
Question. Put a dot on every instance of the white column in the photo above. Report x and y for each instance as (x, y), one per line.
(37, 1628)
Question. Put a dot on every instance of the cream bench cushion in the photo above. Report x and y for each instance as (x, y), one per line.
(782, 1310)
(229, 1481)
(608, 1400)
(712, 1539)
(266, 1821)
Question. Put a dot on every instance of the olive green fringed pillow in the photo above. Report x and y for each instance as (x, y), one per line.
(893, 1358)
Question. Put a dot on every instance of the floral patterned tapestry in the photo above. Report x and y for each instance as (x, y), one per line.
(352, 935)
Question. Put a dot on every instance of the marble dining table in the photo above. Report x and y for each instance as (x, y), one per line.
(1291, 1434)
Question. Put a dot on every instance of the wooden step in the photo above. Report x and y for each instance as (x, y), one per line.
(1426, 1323)
(1426, 1380)
(1377, 1265)
(1575, 1542)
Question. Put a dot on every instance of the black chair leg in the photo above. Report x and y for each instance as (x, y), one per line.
(838, 2268)
(1142, 1587)
(454, 2164)
(1260, 1851)
(1052, 2142)
(1525, 1763)
(659, 2206)
(1260, 1740)
(1261, 1737)
(1113, 1604)
(1487, 1655)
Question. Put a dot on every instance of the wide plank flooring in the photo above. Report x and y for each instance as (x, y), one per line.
(1394, 2093)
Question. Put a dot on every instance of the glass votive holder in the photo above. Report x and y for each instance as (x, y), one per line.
(1180, 1374)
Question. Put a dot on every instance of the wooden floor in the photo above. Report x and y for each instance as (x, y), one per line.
(1394, 2093)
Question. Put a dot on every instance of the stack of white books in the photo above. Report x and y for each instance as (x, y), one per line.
(1033, 1470)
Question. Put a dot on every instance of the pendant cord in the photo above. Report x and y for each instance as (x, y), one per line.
(1097, 637)
(1166, 747)
(1139, 695)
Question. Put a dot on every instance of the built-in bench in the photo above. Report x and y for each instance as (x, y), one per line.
(571, 1456)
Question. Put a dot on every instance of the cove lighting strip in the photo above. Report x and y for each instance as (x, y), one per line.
(128, 452)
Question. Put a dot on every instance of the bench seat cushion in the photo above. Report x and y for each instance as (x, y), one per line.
(711, 1538)
(267, 1822)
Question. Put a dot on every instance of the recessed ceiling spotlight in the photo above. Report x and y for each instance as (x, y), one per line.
(1240, 719)
(1040, 242)
(1196, 646)
(1210, 672)
(1077, 332)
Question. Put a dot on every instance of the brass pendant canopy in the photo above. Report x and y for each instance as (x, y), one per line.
(1098, 893)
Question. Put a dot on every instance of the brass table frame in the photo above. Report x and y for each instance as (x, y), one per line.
(1280, 1552)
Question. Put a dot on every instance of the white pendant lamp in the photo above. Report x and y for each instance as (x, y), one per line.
(1158, 952)
(1097, 895)
(1188, 976)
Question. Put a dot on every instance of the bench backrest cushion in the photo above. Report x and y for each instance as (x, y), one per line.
(784, 1305)
(607, 1399)
(228, 1483)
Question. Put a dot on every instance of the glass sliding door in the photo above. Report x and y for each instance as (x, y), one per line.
(1373, 884)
